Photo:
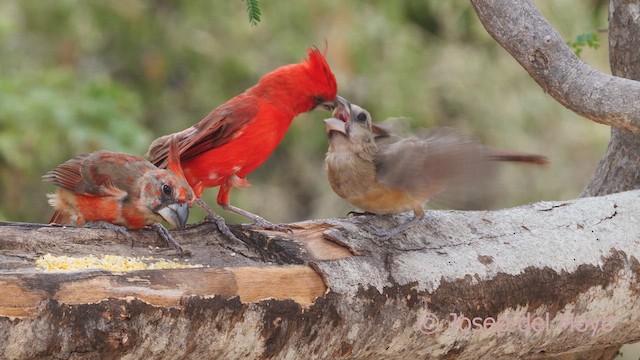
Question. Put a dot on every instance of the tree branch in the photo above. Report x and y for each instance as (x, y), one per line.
(519, 28)
(619, 169)
(559, 277)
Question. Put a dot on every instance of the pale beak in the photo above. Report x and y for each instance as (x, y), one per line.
(333, 124)
(175, 214)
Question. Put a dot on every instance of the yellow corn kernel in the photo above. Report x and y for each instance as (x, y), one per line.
(52, 263)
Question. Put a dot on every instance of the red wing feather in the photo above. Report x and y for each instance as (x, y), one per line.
(218, 128)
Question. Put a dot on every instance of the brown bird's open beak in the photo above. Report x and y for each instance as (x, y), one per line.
(342, 110)
(333, 124)
(340, 116)
(175, 214)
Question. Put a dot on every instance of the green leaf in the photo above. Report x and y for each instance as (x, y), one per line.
(253, 10)
(589, 39)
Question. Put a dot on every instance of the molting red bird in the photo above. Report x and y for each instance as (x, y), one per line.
(125, 191)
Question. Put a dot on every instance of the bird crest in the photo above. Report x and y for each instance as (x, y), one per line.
(320, 71)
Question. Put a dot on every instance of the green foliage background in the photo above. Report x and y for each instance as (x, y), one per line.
(78, 76)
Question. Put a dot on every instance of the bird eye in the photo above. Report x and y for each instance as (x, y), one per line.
(166, 189)
(362, 117)
(319, 100)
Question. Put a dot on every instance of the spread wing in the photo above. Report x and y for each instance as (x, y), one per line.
(102, 173)
(425, 164)
(219, 127)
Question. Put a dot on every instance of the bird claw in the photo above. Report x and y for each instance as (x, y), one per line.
(382, 234)
(259, 222)
(233, 240)
(234, 244)
(164, 234)
(386, 234)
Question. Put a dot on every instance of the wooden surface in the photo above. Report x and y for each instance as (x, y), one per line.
(333, 290)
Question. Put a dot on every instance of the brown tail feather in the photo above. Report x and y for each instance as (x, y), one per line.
(60, 217)
(504, 155)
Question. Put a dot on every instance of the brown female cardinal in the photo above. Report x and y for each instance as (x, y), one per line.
(383, 173)
(121, 191)
(239, 135)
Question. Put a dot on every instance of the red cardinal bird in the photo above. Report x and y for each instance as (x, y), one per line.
(121, 191)
(239, 135)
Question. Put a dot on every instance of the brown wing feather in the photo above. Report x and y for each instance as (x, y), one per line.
(216, 129)
(515, 156)
(67, 175)
(425, 164)
(106, 171)
(99, 173)
(60, 217)
(437, 158)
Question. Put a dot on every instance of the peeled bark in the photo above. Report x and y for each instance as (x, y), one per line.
(332, 290)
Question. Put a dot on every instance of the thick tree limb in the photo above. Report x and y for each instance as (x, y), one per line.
(332, 290)
(518, 26)
(619, 170)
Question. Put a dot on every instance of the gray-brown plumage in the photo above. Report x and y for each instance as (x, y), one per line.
(383, 173)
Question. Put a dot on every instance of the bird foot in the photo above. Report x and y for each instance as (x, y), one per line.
(259, 222)
(385, 234)
(382, 234)
(164, 234)
(235, 243)
(109, 226)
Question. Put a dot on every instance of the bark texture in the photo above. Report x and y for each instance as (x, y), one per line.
(559, 277)
(619, 170)
(518, 26)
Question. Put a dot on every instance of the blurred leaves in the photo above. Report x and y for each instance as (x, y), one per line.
(589, 39)
(45, 117)
(49, 113)
(77, 76)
